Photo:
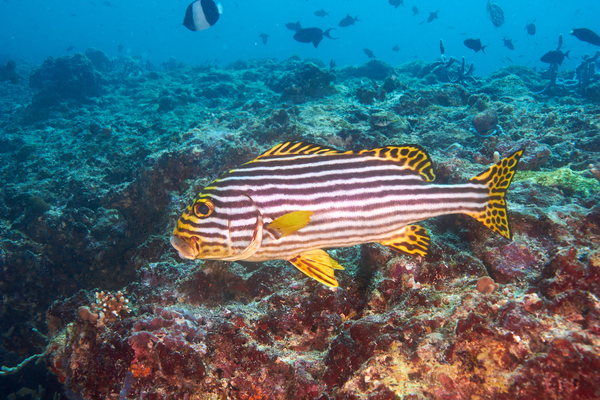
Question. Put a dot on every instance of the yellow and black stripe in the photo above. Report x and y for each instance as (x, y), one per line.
(298, 198)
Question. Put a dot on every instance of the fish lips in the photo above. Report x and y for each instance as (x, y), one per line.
(186, 249)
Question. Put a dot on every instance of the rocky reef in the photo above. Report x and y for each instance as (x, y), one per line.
(98, 159)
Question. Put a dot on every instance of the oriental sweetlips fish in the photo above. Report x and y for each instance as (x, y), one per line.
(299, 198)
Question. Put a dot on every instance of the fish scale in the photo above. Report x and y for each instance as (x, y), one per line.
(299, 198)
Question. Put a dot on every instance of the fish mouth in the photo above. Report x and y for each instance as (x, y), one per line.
(186, 250)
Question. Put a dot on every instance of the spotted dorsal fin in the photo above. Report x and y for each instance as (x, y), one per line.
(411, 157)
(296, 148)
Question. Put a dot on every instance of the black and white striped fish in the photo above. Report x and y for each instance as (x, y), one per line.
(299, 198)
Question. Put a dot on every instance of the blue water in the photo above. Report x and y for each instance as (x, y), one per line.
(34, 30)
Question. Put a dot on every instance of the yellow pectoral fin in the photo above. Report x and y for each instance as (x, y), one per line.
(412, 239)
(318, 265)
(288, 223)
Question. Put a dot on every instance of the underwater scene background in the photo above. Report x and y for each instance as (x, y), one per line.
(114, 115)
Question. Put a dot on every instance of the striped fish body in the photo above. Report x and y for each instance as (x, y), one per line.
(298, 198)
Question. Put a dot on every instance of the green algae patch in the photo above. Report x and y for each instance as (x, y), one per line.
(565, 179)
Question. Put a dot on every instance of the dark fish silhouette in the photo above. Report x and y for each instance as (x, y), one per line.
(312, 35)
(396, 3)
(554, 57)
(396, 48)
(293, 26)
(475, 44)
(71, 47)
(508, 43)
(348, 21)
(369, 53)
(8, 72)
(201, 14)
(321, 13)
(560, 42)
(586, 35)
(432, 16)
(415, 10)
(120, 47)
(332, 63)
(496, 14)
(264, 37)
(530, 28)
(509, 59)
(442, 49)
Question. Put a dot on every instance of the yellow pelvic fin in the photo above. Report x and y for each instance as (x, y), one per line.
(497, 178)
(412, 239)
(288, 223)
(318, 265)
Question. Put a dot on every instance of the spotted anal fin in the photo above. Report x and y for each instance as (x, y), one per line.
(288, 223)
(497, 178)
(412, 240)
(318, 265)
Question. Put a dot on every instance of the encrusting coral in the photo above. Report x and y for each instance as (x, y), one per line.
(107, 307)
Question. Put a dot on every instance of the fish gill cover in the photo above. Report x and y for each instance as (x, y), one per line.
(114, 116)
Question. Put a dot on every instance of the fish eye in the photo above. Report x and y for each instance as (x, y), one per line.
(203, 208)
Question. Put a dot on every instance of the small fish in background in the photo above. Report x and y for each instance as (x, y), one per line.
(442, 49)
(396, 3)
(70, 48)
(554, 57)
(8, 72)
(383, 120)
(264, 37)
(586, 35)
(530, 28)
(201, 14)
(120, 47)
(432, 16)
(293, 26)
(369, 53)
(312, 35)
(496, 14)
(396, 48)
(332, 64)
(509, 59)
(348, 20)
(508, 43)
(475, 45)
(560, 42)
(415, 10)
(321, 13)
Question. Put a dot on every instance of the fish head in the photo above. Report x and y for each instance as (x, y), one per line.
(209, 229)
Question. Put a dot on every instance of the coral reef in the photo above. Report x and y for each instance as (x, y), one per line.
(63, 78)
(91, 190)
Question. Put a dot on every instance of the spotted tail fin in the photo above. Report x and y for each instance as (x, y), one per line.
(497, 178)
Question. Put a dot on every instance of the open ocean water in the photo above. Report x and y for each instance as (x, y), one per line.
(153, 30)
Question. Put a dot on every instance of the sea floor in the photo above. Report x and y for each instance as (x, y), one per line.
(98, 158)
